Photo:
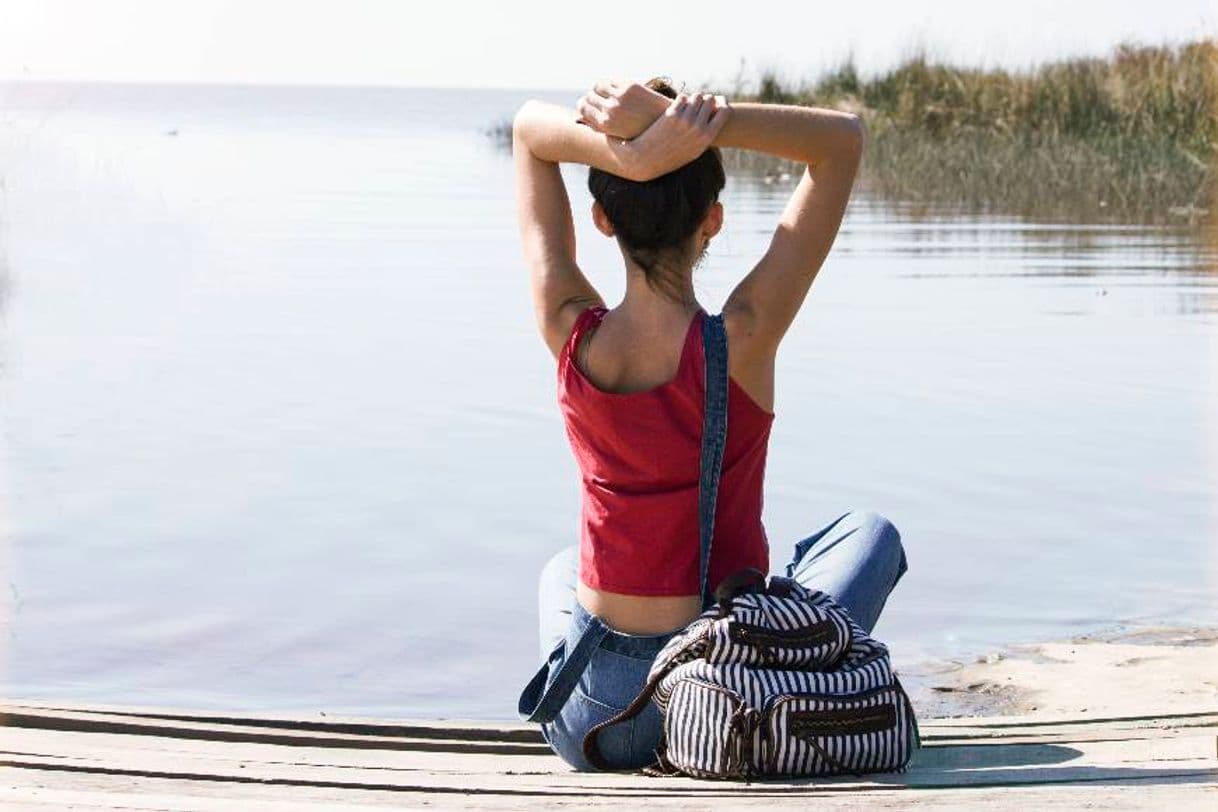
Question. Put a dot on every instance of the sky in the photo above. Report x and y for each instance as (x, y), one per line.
(554, 43)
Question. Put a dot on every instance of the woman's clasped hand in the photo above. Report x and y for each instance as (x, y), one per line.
(664, 134)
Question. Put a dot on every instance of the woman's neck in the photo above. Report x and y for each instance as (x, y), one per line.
(645, 305)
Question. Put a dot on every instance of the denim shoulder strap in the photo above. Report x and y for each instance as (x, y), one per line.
(714, 438)
(553, 683)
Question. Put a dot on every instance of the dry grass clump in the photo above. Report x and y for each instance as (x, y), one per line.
(1130, 137)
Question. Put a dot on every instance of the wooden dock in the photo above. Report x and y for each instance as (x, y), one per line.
(114, 758)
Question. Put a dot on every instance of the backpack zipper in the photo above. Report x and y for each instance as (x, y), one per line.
(817, 634)
(870, 724)
(842, 721)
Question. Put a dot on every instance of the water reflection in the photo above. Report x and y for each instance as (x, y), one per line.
(279, 429)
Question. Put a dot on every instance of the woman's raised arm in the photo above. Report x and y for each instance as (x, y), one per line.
(830, 144)
(553, 133)
(542, 136)
(676, 134)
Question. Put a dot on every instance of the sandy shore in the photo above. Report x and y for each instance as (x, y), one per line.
(1135, 671)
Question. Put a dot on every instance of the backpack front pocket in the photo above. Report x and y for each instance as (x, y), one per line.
(823, 734)
(710, 734)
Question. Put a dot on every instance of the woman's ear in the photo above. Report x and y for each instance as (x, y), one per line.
(601, 220)
(713, 222)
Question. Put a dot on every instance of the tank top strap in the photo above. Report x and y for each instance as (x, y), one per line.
(588, 318)
(691, 364)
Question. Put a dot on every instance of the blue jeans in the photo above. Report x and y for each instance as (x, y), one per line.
(857, 559)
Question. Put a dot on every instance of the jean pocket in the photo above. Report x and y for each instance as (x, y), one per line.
(613, 679)
(580, 714)
(616, 741)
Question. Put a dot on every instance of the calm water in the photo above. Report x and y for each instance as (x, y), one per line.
(279, 432)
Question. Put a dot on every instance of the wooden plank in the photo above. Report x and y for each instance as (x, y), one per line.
(950, 728)
(125, 752)
(159, 795)
(104, 752)
(436, 729)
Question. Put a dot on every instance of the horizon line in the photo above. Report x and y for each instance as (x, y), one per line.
(277, 83)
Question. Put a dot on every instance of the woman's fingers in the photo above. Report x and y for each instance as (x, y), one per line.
(594, 101)
(689, 125)
(685, 108)
(719, 117)
(702, 106)
(694, 108)
(589, 113)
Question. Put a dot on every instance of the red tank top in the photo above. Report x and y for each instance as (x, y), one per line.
(638, 454)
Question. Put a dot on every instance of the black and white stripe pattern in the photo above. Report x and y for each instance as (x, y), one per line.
(823, 735)
(763, 630)
(802, 690)
(701, 729)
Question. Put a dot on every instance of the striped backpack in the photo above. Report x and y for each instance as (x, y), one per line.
(776, 680)
(771, 679)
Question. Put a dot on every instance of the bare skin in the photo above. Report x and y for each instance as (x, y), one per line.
(639, 134)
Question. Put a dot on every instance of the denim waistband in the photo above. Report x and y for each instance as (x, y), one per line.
(641, 646)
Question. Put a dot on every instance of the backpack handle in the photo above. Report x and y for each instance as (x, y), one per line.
(592, 750)
(744, 582)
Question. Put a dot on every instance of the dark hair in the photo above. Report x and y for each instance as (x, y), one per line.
(654, 219)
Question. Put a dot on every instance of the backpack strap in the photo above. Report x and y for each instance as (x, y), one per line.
(592, 750)
(552, 685)
(714, 438)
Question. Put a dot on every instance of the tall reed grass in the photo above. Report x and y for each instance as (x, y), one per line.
(1132, 137)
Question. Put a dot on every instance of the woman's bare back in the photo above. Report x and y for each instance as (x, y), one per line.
(622, 356)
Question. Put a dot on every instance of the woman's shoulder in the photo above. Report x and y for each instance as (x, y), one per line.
(581, 321)
(556, 325)
(750, 364)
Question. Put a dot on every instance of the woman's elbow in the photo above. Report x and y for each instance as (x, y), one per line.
(520, 121)
(856, 135)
